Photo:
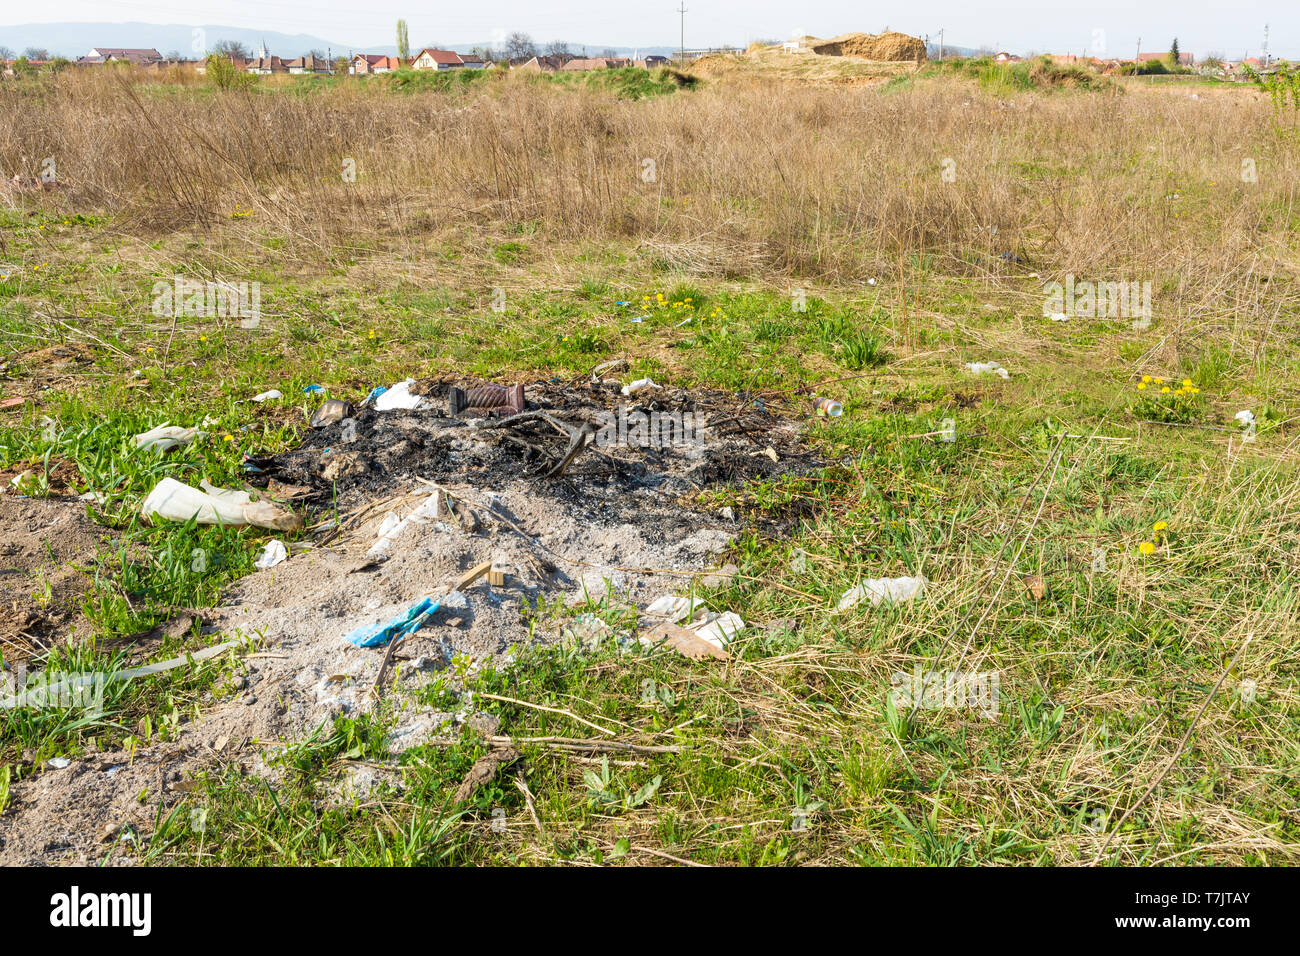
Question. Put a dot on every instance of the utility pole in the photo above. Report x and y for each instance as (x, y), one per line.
(682, 10)
(941, 43)
(1138, 53)
(1265, 50)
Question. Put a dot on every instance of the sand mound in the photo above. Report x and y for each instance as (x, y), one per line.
(885, 46)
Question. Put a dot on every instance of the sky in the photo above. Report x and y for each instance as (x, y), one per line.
(1099, 27)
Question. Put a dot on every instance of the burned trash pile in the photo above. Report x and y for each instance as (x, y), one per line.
(450, 522)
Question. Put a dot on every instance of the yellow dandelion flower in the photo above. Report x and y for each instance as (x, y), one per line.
(1159, 380)
(227, 437)
(1146, 547)
(1141, 385)
(1165, 391)
(1146, 378)
(1179, 392)
(1160, 526)
(1187, 383)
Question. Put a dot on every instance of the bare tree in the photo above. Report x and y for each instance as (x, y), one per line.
(520, 46)
(36, 53)
(231, 48)
(6, 53)
(557, 48)
(609, 53)
(317, 54)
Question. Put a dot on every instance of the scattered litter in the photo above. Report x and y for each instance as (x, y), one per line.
(1058, 317)
(827, 407)
(676, 609)
(176, 501)
(685, 321)
(987, 368)
(58, 763)
(166, 437)
(404, 625)
(333, 410)
(871, 282)
(13, 402)
(24, 483)
(1245, 416)
(455, 601)
(1036, 585)
(472, 575)
(499, 399)
(893, 590)
(94, 497)
(268, 396)
(272, 554)
(374, 394)
(686, 642)
(719, 630)
(398, 397)
(587, 630)
(632, 389)
(603, 367)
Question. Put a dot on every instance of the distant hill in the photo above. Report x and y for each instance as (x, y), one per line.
(72, 40)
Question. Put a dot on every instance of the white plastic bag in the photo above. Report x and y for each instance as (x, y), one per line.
(166, 437)
(399, 397)
(176, 501)
(893, 590)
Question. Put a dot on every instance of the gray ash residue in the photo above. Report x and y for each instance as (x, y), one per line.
(376, 452)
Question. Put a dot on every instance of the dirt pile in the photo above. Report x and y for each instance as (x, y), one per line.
(884, 47)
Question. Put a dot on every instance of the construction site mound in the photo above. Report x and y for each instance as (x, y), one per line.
(891, 47)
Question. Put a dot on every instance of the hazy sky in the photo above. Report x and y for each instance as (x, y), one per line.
(1230, 27)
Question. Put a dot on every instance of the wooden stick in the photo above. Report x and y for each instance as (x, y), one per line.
(549, 710)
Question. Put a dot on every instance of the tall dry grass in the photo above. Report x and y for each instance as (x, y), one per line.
(829, 183)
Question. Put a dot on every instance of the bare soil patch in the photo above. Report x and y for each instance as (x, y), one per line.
(45, 543)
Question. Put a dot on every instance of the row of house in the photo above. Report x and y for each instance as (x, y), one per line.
(1113, 64)
(264, 64)
(426, 59)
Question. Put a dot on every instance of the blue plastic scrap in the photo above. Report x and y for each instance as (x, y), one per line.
(313, 389)
(374, 394)
(404, 625)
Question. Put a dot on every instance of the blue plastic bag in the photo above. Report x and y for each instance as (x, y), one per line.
(404, 625)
